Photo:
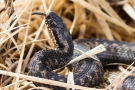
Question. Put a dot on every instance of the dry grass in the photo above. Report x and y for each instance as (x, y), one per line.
(84, 20)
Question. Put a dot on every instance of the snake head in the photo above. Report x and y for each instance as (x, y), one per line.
(57, 29)
(53, 21)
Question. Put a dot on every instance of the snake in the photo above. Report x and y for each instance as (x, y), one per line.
(87, 72)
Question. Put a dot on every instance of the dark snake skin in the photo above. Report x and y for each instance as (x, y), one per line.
(87, 72)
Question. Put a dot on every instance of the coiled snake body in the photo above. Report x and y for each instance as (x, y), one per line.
(87, 72)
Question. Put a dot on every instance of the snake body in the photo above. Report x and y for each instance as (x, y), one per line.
(87, 72)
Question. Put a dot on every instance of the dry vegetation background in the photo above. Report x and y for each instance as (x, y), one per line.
(103, 19)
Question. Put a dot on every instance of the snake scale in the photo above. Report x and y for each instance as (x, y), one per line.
(87, 72)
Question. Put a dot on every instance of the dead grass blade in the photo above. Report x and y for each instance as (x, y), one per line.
(46, 81)
(99, 12)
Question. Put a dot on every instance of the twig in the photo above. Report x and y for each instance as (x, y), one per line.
(117, 86)
(99, 12)
(8, 86)
(50, 7)
(92, 56)
(19, 67)
(10, 4)
(32, 46)
(91, 52)
(46, 81)
(119, 76)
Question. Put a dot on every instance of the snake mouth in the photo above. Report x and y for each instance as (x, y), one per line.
(49, 29)
(52, 35)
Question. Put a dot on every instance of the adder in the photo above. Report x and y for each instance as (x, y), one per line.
(87, 72)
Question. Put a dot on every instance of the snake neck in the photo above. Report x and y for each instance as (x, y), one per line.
(62, 39)
(64, 48)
